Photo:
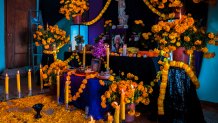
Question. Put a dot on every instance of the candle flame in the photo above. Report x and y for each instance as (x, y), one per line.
(91, 118)
(6, 74)
(29, 70)
(18, 72)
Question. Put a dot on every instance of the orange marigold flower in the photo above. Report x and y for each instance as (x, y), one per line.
(211, 35)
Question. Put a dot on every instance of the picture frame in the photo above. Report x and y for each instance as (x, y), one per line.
(118, 39)
(96, 65)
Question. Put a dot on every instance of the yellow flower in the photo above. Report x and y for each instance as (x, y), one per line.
(111, 78)
(186, 38)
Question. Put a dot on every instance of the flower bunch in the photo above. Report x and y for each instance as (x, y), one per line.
(138, 26)
(134, 93)
(179, 33)
(72, 8)
(79, 39)
(107, 25)
(52, 35)
(99, 49)
(50, 72)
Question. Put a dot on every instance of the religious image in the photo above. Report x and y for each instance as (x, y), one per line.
(117, 43)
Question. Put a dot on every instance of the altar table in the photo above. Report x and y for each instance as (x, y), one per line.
(144, 68)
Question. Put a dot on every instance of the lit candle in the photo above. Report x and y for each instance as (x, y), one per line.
(109, 118)
(124, 49)
(122, 105)
(108, 53)
(18, 82)
(66, 93)
(117, 114)
(47, 26)
(180, 14)
(6, 84)
(133, 92)
(84, 56)
(29, 82)
(58, 86)
(41, 78)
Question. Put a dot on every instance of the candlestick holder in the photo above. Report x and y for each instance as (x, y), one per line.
(67, 106)
(30, 93)
(6, 96)
(19, 94)
(58, 100)
(42, 91)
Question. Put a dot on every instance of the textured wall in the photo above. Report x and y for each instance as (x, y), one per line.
(2, 37)
(209, 73)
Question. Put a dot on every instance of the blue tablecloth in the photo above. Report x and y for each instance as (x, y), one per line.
(90, 97)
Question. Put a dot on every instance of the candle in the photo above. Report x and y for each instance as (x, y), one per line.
(92, 120)
(58, 86)
(84, 56)
(133, 93)
(18, 81)
(122, 105)
(41, 78)
(109, 118)
(29, 82)
(6, 84)
(47, 26)
(66, 93)
(124, 49)
(108, 52)
(180, 14)
(116, 114)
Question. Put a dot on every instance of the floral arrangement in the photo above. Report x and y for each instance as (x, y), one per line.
(79, 39)
(134, 92)
(107, 25)
(52, 35)
(99, 49)
(180, 33)
(50, 72)
(138, 26)
(72, 8)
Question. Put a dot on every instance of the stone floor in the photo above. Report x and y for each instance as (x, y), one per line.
(210, 109)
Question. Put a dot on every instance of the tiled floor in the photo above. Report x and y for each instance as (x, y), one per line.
(210, 110)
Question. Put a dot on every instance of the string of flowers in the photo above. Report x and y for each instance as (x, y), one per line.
(99, 15)
(82, 86)
(163, 84)
(74, 56)
(161, 5)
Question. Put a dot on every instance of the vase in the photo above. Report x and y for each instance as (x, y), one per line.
(38, 107)
(77, 19)
(180, 55)
(130, 107)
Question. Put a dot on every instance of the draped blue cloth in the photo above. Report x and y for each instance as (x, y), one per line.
(90, 97)
(181, 102)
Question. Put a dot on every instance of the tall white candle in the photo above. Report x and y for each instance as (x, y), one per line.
(108, 53)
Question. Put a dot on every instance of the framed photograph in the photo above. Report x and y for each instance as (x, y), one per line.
(96, 65)
(118, 37)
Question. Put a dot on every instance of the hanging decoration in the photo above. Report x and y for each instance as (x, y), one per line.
(99, 15)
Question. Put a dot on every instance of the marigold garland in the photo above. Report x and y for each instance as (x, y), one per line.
(163, 84)
(99, 15)
(74, 56)
(164, 16)
(82, 86)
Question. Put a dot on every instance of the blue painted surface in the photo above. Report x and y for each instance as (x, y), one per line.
(2, 37)
(208, 78)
